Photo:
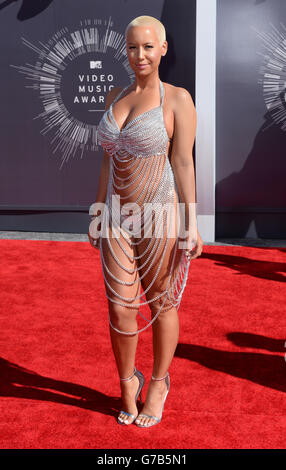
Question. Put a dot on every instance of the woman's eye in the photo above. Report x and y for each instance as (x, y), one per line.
(132, 47)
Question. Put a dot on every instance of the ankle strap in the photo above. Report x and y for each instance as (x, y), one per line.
(161, 378)
(129, 378)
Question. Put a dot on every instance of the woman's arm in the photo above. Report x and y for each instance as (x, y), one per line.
(95, 211)
(104, 170)
(103, 179)
(185, 123)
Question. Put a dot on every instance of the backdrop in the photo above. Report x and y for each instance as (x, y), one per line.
(58, 59)
(251, 119)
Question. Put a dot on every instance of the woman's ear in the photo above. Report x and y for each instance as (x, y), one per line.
(165, 46)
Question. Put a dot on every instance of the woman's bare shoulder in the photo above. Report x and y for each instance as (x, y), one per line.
(178, 96)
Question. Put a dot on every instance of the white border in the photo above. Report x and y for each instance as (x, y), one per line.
(206, 113)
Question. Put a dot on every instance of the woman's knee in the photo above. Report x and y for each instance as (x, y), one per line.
(161, 307)
(120, 315)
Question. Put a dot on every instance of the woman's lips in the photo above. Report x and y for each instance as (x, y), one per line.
(141, 66)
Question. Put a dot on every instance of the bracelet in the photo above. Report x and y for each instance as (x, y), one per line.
(188, 253)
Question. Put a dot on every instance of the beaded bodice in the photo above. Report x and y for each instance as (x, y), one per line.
(142, 136)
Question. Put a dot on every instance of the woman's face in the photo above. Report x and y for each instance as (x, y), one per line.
(143, 49)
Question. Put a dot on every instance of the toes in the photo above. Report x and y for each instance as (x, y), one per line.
(144, 421)
(140, 420)
(149, 421)
(124, 419)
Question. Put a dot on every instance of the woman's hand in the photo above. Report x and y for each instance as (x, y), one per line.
(196, 250)
(95, 236)
(93, 241)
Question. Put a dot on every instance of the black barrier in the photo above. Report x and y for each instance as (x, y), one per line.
(143, 458)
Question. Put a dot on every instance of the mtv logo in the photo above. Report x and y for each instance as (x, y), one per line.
(95, 64)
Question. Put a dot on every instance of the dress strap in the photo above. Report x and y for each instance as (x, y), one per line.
(119, 94)
(162, 93)
(162, 90)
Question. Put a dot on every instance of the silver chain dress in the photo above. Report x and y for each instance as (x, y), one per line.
(141, 260)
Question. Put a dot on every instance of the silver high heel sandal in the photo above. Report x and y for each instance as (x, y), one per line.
(167, 380)
(141, 379)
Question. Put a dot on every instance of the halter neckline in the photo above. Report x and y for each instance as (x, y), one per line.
(139, 115)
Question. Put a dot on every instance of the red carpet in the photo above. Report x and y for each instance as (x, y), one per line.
(58, 381)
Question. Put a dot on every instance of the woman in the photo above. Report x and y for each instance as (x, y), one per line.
(147, 170)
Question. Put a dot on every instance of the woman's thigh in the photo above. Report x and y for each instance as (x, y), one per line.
(159, 265)
(121, 278)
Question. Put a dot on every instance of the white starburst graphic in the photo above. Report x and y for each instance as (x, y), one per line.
(73, 72)
(273, 73)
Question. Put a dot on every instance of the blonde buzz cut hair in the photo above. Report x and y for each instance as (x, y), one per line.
(148, 21)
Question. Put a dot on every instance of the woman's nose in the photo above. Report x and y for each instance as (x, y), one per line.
(140, 53)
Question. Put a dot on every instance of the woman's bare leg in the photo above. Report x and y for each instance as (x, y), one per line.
(165, 327)
(165, 340)
(123, 318)
(124, 350)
